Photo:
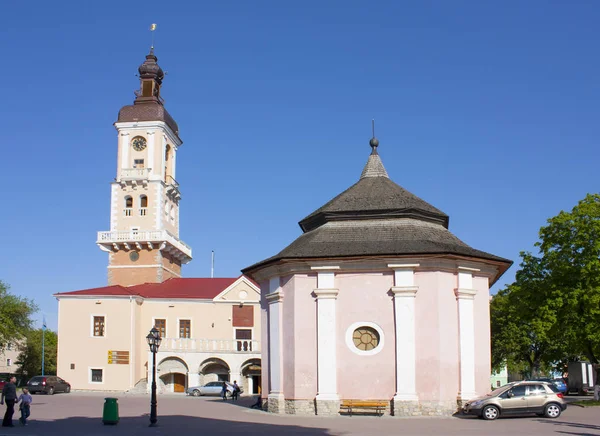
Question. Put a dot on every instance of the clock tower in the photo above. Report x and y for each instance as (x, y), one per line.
(143, 242)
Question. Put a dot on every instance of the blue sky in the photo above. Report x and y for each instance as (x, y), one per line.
(487, 110)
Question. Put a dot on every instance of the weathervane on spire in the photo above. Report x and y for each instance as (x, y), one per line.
(374, 142)
(152, 29)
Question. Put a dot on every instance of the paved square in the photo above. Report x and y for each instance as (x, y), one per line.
(81, 414)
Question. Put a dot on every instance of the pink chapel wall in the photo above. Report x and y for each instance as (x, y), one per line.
(364, 297)
(483, 359)
(288, 335)
(436, 337)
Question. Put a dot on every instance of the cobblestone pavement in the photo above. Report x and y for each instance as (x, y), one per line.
(80, 414)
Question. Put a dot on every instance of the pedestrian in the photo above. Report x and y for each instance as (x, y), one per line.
(9, 393)
(25, 400)
(236, 390)
(224, 391)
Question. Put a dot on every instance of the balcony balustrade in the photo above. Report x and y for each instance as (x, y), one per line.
(135, 173)
(118, 238)
(236, 346)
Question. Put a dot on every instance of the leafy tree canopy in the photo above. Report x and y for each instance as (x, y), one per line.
(30, 357)
(15, 316)
(551, 313)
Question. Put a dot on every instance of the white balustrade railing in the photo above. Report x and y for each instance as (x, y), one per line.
(210, 345)
(143, 236)
(135, 173)
(143, 211)
(127, 211)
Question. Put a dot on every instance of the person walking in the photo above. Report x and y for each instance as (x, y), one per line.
(24, 401)
(224, 391)
(9, 394)
(236, 391)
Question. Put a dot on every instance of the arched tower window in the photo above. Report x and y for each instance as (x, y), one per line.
(172, 214)
(143, 204)
(167, 165)
(128, 205)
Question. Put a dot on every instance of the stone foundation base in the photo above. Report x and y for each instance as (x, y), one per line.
(300, 407)
(276, 403)
(424, 408)
(328, 407)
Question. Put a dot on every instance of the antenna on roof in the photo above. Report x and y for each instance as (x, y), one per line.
(212, 264)
(373, 126)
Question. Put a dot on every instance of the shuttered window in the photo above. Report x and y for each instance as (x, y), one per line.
(185, 328)
(243, 316)
(98, 326)
(161, 326)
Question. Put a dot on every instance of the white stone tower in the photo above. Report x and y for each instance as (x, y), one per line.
(143, 242)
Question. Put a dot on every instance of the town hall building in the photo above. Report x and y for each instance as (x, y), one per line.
(210, 327)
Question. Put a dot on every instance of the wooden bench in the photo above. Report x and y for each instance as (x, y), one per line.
(374, 406)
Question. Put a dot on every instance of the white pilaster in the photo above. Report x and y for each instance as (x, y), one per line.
(466, 324)
(326, 337)
(405, 291)
(151, 149)
(124, 137)
(275, 300)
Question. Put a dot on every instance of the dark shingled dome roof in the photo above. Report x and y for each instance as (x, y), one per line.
(375, 217)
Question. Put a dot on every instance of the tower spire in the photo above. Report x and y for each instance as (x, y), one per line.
(374, 142)
(152, 29)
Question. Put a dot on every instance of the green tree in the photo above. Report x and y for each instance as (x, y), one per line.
(570, 246)
(551, 313)
(30, 357)
(521, 325)
(15, 316)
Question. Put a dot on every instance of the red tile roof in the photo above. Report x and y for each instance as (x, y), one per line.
(202, 288)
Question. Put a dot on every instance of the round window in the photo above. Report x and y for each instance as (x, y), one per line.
(134, 256)
(365, 338)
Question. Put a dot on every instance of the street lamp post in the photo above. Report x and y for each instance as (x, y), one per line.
(153, 339)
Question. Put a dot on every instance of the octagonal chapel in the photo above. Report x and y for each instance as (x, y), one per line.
(376, 300)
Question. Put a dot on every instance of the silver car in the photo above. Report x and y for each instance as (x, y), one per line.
(212, 388)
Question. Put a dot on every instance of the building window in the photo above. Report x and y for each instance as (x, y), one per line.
(99, 326)
(128, 205)
(96, 375)
(161, 326)
(8, 362)
(185, 328)
(365, 338)
(243, 338)
(173, 214)
(143, 201)
(138, 163)
(72, 366)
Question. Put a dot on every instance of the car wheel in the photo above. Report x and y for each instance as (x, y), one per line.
(196, 393)
(552, 410)
(68, 389)
(490, 413)
(51, 391)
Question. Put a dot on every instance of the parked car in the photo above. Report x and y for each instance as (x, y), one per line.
(542, 398)
(47, 384)
(212, 388)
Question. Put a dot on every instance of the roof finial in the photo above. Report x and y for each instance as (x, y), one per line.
(152, 29)
(374, 142)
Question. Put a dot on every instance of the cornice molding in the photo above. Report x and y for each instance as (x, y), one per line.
(274, 297)
(326, 293)
(465, 294)
(404, 291)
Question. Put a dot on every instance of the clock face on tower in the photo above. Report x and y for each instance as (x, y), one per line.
(138, 143)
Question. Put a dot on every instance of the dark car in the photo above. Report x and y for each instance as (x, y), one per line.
(48, 384)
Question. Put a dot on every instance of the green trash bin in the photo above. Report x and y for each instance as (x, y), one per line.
(110, 415)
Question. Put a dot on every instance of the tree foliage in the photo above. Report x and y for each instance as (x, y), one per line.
(15, 316)
(30, 357)
(551, 313)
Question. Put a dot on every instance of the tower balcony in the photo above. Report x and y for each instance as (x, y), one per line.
(141, 239)
(134, 176)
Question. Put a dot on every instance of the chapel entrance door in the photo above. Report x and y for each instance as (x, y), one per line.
(179, 382)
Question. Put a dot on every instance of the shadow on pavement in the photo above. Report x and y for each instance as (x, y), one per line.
(574, 425)
(167, 425)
